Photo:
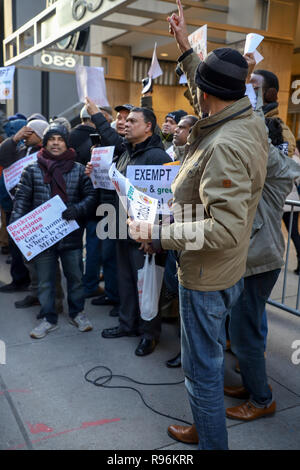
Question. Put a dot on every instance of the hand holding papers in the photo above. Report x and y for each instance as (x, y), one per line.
(139, 206)
(252, 42)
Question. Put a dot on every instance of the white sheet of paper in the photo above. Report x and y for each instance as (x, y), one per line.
(41, 228)
(102, 160)
(12, 174)
(155, 181)
(252, 42)
(91, 82)
(198, 41)
(155, 69)
(138, 205)
(258, 57)
(171, 152)
(183, 80)
(7, 82)
(251, 94)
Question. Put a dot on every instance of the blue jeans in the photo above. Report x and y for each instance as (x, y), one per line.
(264, 328)
(247, 339)
(46, 267)
(203, 339)
(93, 258)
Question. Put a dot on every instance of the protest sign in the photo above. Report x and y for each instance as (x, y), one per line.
(138, 205)
(252, 42)
(198, 41)
(155, 71)
(91, 83)
(101, 161)
(155, 181)
(41, 228)
(6, 82)
(12, 174)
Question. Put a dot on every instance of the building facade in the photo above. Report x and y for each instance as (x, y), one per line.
(46, 39)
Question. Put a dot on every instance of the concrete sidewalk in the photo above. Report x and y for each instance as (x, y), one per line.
(45, 402)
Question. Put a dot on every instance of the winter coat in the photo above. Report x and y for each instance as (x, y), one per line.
(32, 192)
(224, 169)
(266, 249)
(10, 152)
(271, 110)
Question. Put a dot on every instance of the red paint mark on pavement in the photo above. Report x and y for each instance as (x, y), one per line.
(83, 426)
(38, 428)
(14, 391)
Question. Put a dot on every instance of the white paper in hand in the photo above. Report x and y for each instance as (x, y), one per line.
(252, 42)
(155, 70)
(91, 83)
(251, 94)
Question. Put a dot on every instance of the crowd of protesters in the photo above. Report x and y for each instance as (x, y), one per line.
(238, 162)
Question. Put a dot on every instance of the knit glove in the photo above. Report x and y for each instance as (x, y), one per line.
(69, 214)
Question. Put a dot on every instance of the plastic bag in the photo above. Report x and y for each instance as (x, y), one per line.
(150, 279)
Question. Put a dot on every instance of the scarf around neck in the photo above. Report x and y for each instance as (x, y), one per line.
(54, 167)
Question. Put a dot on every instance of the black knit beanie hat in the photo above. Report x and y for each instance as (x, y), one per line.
(177, 115)
(223, 74)
(56, 129)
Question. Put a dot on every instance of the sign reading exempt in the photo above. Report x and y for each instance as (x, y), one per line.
(41, 228)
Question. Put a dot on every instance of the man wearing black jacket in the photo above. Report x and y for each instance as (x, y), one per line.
(140, 146)
(57, 173)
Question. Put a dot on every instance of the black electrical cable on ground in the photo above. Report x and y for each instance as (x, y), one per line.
(102, 380)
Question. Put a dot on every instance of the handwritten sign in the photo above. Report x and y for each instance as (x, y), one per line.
(41, 228)
(12, 174)
(101, 161)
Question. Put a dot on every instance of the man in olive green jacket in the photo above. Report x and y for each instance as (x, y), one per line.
(224, 170)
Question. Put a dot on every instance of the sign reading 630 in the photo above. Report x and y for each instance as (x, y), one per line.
(79, 7)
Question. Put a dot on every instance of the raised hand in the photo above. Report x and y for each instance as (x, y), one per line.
(91, 107)
(178, 29)
(22, 134)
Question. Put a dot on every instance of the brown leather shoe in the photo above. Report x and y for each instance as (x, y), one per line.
(236, 392)
(185, 434)
(248, 412)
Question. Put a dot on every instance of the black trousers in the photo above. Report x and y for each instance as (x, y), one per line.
(129, 260)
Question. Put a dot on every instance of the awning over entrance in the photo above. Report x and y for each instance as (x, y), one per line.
(133, 22)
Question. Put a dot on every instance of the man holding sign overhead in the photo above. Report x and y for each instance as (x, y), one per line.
(57, 174)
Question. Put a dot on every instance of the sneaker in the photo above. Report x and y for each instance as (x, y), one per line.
(82, 322)
(43, 329)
